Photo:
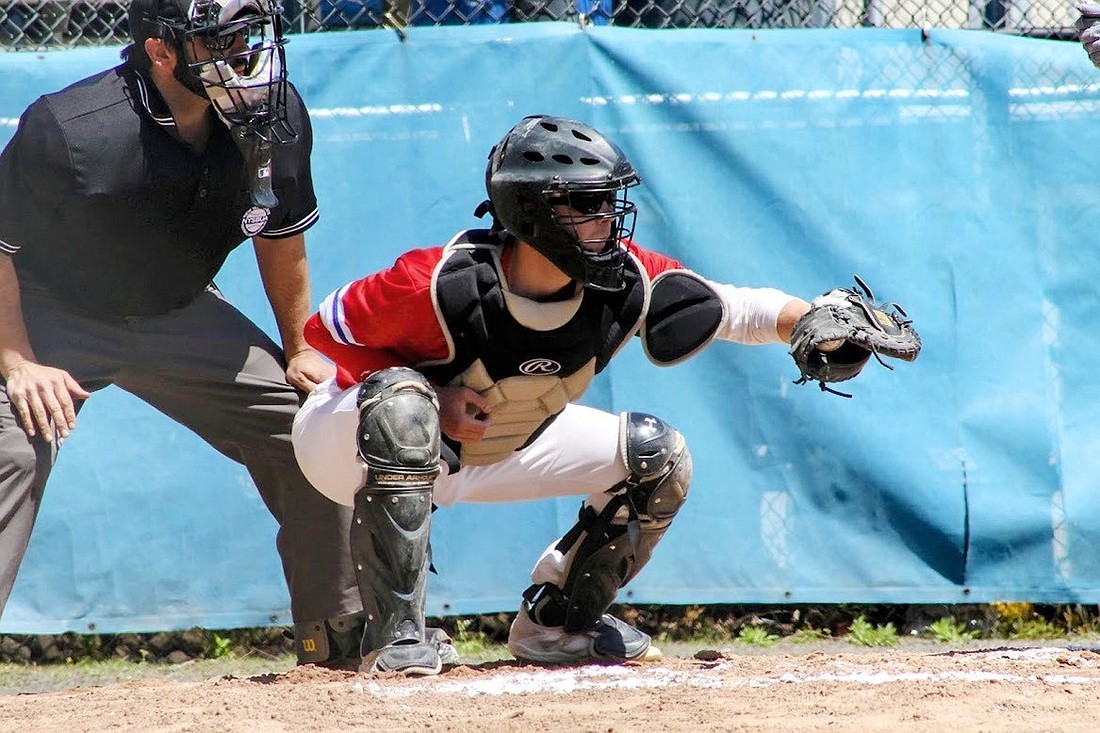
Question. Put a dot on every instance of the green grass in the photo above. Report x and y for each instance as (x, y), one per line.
(756, 636)
(808, 636)
(91, 661)
(1023, 621)
(679, 630)
(474, 646)
(864, 633)
(219, 646)
(23, 678)
(949, 631)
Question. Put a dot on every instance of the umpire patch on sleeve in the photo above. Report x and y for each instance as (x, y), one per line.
(684, 316)
(254, 220)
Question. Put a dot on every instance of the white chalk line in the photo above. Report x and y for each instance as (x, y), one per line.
(595, 677)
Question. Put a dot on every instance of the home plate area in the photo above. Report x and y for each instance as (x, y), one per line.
(1050, 666)
(1005, 688)
(1017, 688)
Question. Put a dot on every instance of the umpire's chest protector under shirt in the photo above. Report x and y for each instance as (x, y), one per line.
(119, 216)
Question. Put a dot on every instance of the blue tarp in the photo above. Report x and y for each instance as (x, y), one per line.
(949, 169)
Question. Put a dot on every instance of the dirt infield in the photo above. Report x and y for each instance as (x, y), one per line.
(977, 688)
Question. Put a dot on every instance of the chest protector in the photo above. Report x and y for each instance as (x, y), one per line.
(528, 358)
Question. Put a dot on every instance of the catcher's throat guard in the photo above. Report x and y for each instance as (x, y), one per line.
(843, 329)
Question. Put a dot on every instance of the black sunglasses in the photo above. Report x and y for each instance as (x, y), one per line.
(221, 40)
(222, 43)
(585, 202)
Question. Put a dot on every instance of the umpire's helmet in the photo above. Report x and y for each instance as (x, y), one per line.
(545, 162)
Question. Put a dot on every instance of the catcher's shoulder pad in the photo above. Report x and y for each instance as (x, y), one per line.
(845, 327)
(683, 317)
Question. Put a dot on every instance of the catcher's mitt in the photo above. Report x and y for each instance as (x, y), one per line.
(843, 328)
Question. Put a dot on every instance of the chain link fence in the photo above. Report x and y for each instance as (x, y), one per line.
(42, 24)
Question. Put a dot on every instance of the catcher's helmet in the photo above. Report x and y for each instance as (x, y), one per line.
(545, 162)
(246, 82)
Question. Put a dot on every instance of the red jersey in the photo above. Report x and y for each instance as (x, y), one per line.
(389, 318)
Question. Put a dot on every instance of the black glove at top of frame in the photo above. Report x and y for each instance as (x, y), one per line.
(1088, 30)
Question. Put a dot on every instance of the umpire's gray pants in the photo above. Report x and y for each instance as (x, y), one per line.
(209, 368)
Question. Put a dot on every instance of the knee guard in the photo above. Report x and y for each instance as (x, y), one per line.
(399, 441)
(398, 433)
(606, 549)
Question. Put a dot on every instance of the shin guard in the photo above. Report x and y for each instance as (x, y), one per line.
(399, 441)
(606, 549)
(389, 545)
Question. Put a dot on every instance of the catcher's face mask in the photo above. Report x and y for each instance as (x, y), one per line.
(596, 219)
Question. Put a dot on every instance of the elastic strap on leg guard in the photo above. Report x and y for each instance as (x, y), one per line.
(399, 441)
(605, 550)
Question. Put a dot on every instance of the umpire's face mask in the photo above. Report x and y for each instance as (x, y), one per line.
(236, 52)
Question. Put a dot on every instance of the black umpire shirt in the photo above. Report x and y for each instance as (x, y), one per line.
(105, 206)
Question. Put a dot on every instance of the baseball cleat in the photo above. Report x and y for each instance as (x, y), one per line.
(609, 641)
(416, 658)
(436, 636)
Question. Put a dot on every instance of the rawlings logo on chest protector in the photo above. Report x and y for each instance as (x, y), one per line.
(539, 366)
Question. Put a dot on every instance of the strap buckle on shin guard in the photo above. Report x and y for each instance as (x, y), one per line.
(633, 521)
(594, 571)
(546, 604)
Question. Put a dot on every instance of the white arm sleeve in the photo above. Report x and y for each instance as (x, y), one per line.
(751, 313)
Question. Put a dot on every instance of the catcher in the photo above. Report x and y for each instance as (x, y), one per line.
(458, 372)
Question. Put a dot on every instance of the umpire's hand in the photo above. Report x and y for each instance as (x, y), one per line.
(42, 398)
(306, 369)
(1088, 28)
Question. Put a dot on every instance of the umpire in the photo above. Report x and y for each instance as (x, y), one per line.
(120, 198)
